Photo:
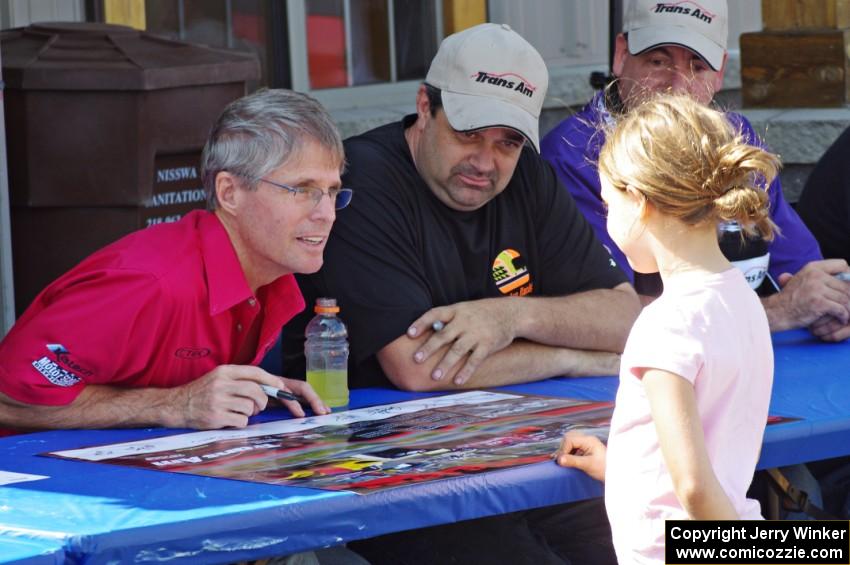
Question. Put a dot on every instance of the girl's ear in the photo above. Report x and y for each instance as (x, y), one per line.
(640, 201)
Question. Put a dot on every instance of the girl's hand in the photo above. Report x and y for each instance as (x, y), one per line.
(584, 452)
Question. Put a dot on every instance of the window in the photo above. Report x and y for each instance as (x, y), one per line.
(352, 43)
(381, 47)
(374, 53)
(242, 25)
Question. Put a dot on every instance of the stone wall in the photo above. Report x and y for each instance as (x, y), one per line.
(800, 137)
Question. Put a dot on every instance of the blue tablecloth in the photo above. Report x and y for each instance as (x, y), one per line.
(22, 551)
(107, 513)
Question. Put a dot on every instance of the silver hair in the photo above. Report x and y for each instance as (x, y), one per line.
(260, 132)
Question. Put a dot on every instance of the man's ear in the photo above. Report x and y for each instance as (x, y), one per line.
(423, 107)
(718, 78)
(621, 51)
(227, 186)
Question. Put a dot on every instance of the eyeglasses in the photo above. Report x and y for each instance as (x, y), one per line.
(340, 197)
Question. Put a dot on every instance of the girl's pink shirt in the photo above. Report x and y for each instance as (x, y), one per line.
(712, 331)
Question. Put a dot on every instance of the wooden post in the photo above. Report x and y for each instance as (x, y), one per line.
(461, 14)
(125, 12)
(801, 57)
(783, 15)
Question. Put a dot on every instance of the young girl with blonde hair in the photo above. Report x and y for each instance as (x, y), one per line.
(697, 370)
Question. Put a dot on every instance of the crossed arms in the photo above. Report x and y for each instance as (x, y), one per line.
(499, 341)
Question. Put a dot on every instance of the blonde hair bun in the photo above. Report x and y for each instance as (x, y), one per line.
(691, 163)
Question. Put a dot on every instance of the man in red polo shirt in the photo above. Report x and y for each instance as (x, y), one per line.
(165, 327)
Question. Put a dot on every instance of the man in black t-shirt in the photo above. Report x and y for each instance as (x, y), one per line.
(462, 262)
(456, 211)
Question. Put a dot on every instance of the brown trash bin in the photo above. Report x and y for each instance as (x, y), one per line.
(105, 126)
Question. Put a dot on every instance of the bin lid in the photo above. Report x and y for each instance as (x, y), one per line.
(96, 56)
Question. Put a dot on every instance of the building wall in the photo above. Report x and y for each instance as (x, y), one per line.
(572, 36)
(20, 13)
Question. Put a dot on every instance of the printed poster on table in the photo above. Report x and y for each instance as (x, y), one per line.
(375, 448)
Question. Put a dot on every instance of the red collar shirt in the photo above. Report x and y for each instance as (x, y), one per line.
(158, 308)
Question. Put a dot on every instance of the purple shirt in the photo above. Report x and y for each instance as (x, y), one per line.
(573, 149)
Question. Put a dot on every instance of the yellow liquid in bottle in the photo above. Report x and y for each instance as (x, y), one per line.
(331, 386)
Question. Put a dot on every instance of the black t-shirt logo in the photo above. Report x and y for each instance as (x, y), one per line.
(511, 274)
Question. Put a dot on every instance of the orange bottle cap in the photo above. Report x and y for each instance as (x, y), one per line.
(326, 305)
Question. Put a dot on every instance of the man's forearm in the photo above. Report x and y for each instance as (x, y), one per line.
(512, 339)
(526, 361)
(98, 407)
(597, 320)
(522, 361)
